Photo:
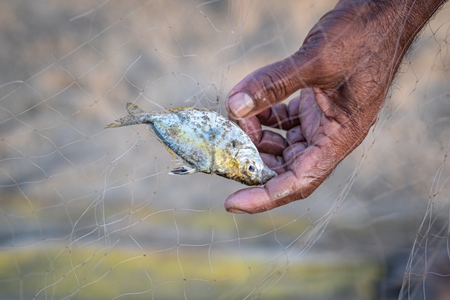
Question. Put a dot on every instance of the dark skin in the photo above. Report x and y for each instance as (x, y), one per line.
(344, 69)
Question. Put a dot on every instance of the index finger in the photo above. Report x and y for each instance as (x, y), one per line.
(278, 191)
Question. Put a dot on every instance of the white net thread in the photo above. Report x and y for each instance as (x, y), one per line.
(91, 213)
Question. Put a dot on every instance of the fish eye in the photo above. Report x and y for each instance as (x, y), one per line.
(251, 168)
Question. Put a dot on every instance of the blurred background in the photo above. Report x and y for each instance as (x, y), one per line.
(90, 213)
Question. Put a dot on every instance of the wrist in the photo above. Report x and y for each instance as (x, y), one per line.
(392, 24)
(406, 18)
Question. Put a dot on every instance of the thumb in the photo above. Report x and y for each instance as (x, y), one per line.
(315, 64)
(308, 67)
(265, 87)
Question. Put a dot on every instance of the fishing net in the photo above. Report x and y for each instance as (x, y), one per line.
(92, 213)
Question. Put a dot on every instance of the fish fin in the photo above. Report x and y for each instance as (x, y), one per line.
(134, 117)
(183, 170)
(133, 109)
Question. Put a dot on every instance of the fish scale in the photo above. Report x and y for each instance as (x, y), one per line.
(205, 140)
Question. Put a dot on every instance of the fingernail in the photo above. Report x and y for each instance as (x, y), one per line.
(240, 104)
(233, 207)
(237, 211)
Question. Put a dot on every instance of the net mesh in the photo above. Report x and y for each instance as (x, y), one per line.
(91, 213)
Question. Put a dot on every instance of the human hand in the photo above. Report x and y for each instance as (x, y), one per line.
(345, 67)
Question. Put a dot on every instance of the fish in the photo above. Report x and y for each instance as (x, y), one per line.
(205, 141)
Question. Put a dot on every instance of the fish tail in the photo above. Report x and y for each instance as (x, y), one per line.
(134, 117)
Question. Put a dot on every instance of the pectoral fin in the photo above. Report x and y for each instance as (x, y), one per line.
(183, 170)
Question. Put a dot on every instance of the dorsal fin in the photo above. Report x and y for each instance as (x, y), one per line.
(133, 118)
(133, 109)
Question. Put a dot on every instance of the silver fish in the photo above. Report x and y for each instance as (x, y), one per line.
(206, 141)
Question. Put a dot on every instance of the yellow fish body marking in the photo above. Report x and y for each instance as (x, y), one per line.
(205, 140)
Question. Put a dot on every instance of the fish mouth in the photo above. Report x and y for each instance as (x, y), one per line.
(267, 174)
